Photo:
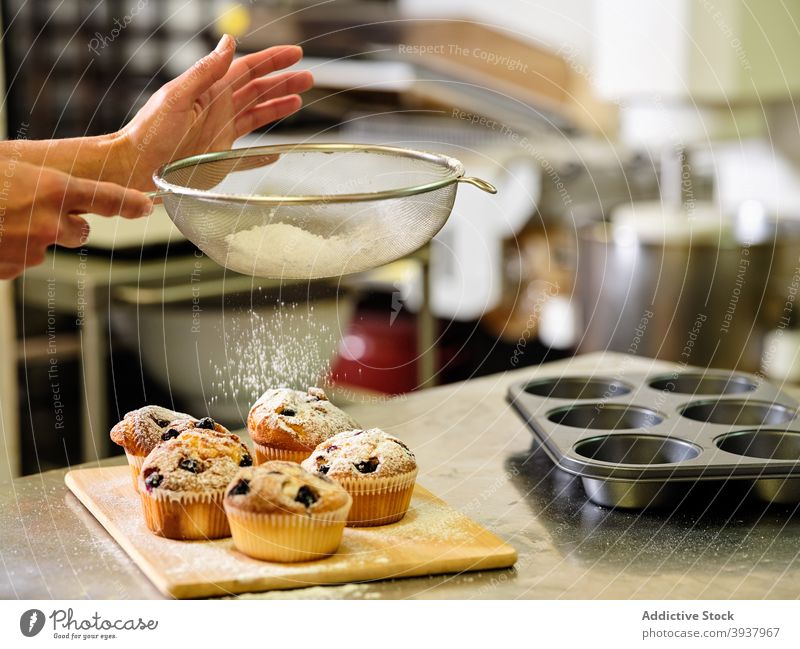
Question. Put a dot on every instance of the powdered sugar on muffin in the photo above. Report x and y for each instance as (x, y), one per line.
(284, 487)
(197, 460)
(295, 419)
(361, 453)
(141, 430)
(178, 426)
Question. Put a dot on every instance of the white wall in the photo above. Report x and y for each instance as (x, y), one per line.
(555, 24)
(713, 51)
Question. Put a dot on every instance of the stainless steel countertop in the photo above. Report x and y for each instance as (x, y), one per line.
(476, 453)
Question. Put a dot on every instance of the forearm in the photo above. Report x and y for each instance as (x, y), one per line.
(102, 157)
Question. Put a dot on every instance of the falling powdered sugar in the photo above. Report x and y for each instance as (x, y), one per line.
(289, 347)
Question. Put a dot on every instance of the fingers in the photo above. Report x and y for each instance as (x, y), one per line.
(250, 67)
(26, 251)
(73, 231)
(267, 112)
(205, 73)
(43, 209)
(106, 199)
(266, 88)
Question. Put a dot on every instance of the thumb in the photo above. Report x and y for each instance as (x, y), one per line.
(207, 71)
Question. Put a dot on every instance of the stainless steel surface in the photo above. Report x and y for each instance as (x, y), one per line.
(476, 453)
(656, 435)
(709, 303)
(375, 203)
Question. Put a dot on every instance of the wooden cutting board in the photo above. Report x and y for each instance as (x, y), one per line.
(433, 538)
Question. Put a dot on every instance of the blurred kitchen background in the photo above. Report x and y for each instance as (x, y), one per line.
(646, 157)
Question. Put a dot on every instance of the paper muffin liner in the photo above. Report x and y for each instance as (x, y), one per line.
(287, 537)
(184, 516)
(135, 463)
(379, 501)
(266, 453)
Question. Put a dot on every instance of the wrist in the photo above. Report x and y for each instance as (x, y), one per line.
(122, 158)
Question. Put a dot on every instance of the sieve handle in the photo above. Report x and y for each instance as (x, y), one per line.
(154, 195)
(480, 184)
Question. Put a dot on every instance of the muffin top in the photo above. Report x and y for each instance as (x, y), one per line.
(183, 424)
(361, 454)
(197, 460)
(143, 429)
(284, 487)
(140, 431)
(295, 420)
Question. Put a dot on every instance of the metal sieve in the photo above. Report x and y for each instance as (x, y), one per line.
(304, 211)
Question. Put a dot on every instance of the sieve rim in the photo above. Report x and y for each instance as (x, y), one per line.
(164, 187)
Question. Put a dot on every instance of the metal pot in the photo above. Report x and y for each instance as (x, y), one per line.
(705, 300)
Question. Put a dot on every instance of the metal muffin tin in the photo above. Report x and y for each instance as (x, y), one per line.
(643, 440)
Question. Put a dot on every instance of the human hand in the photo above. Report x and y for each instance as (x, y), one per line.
(210, 105)
(40, 206)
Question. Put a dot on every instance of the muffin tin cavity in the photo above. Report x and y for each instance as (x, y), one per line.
(605, 416)
(638, 441)
(704, 383)
(738, 412)
(636, 449)
(622, 494)
(776, 445)
(766, 444)
(578, 387)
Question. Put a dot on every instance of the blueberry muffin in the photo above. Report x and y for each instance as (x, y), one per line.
(278, 511)
(377, 469)
(183, 480)
(141, 431)
(288, 424)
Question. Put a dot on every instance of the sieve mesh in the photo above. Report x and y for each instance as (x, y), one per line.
(310, 211)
